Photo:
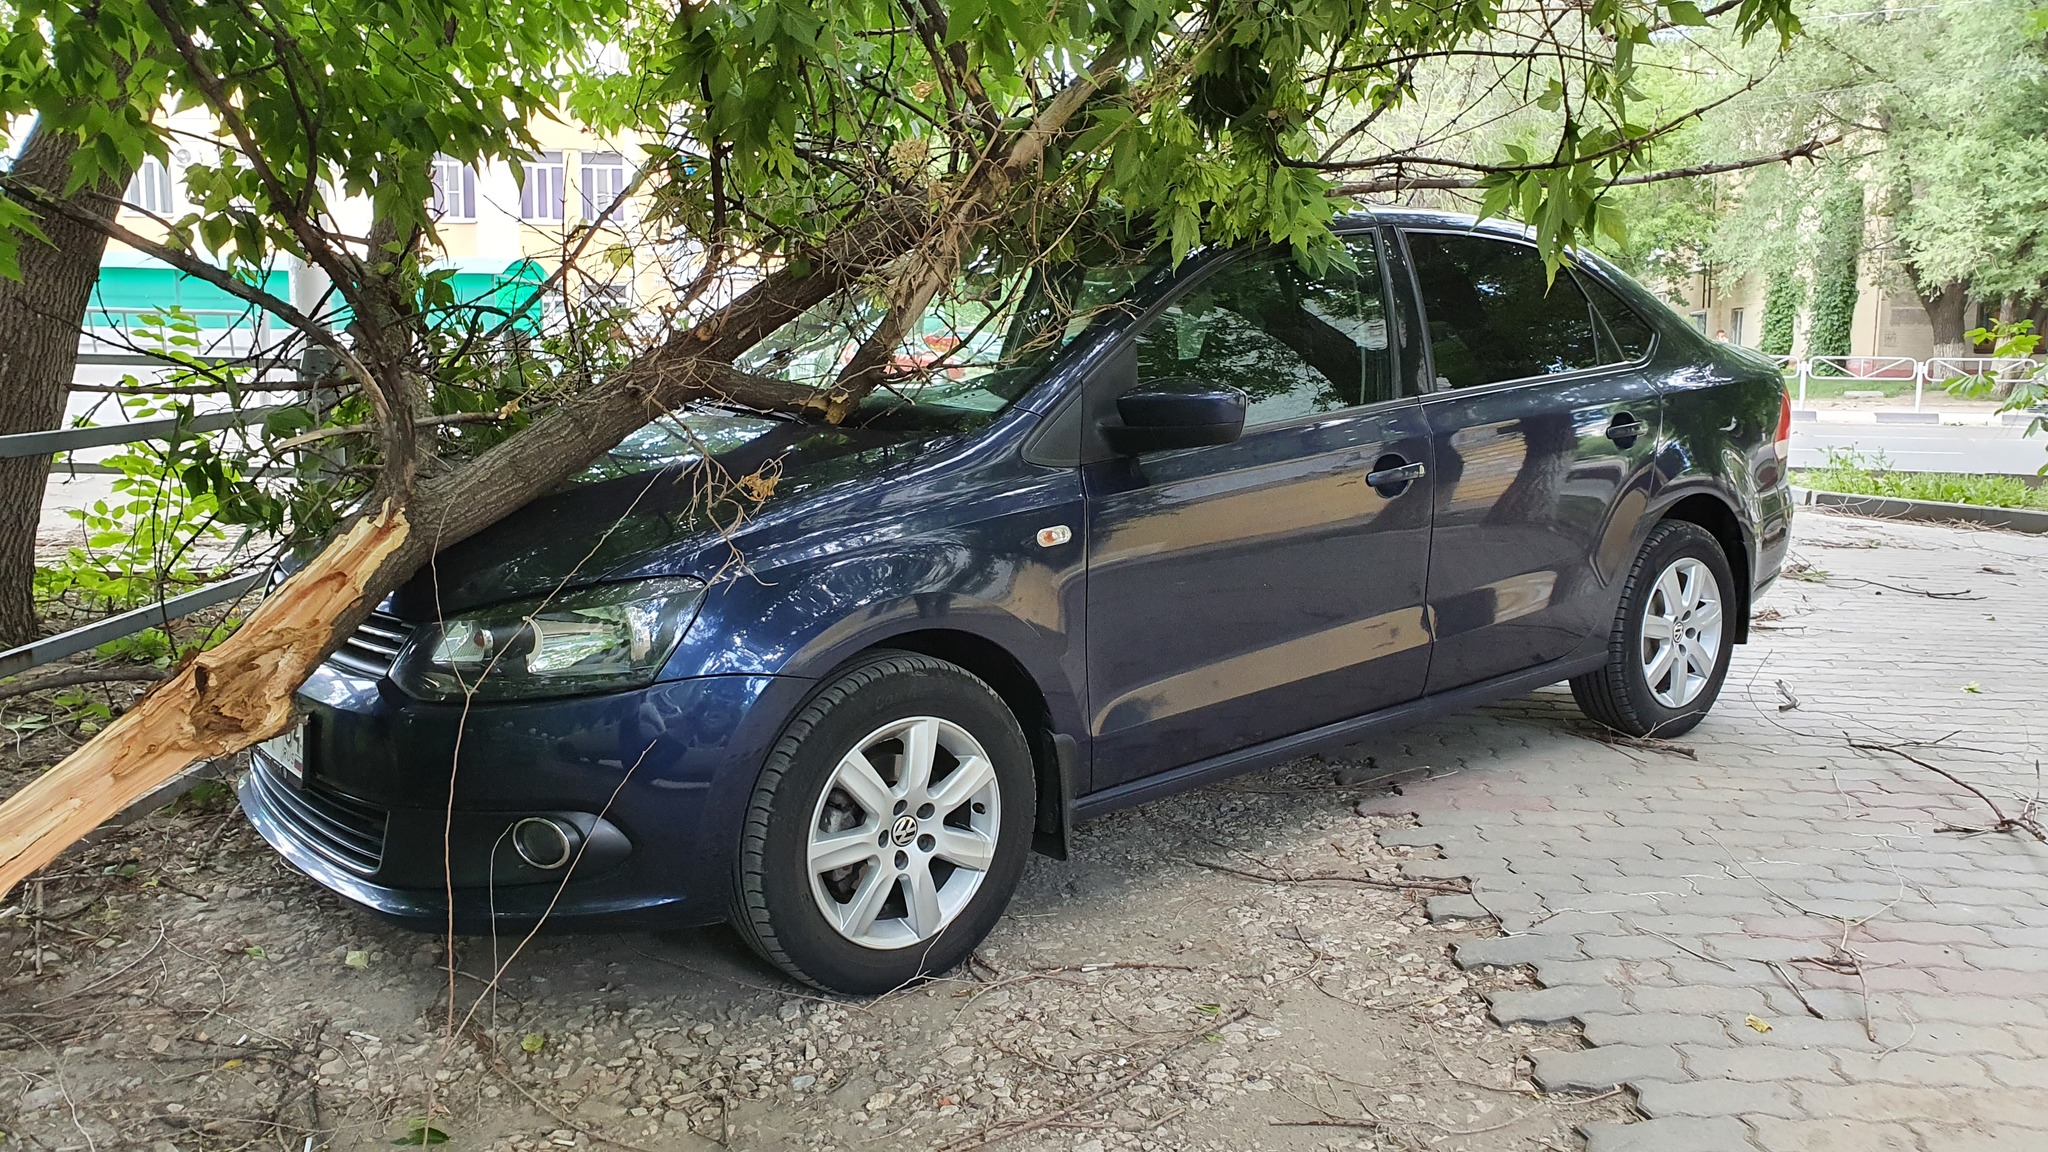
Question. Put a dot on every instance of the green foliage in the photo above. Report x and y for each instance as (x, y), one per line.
(1784, 295)
(770, 129)
(1861, 475)
(1836, 257)
(2021, 391)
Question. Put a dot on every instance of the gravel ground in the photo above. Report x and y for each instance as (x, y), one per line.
(1235, 969)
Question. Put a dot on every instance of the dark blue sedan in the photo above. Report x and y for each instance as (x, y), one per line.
(1120, 530)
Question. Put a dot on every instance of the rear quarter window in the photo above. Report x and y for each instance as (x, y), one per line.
(1625, 335)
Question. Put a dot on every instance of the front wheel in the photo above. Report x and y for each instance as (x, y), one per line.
(888, 829)
(1669, 649)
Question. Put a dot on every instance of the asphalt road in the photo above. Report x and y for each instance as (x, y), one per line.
(1924, 447)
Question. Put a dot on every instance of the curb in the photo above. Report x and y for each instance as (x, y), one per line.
(1933, 511)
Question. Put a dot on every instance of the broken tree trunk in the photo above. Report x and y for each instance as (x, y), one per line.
(239, 693)
(224, 700)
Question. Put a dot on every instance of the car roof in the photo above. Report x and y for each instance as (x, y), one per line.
(1424, 217)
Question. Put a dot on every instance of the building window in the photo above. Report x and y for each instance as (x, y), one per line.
(1699, 322)
(454, 189)
(150, 190)
(604, 182)
(544, 192)
(609, 297)
(1735, 325)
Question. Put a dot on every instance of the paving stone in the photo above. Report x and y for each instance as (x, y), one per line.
(1700, 1001)
(1801, 1031)
(1631, 946)
(1715, 1098)
(1436, 869)
(2031, 1073)
(1776, 1135)
(1555, 973)
(1674, 1134)
(1918, 1068)
(1758, 1063)
(1654, 1028)
(1604, 1067)
(1442, 908)
(1553, 1005)
(1980, 1138)
(1882, 1102)
(1969, 1038)
(1511, 951)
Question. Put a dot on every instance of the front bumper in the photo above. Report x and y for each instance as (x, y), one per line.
(655, 781)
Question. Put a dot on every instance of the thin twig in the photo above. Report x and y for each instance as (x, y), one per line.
(993, 1136)
(1398, 885)
(2023, 822)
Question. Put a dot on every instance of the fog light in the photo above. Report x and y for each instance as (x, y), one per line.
(544, 843)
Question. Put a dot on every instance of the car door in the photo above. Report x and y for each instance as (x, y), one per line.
(1543, 424)
(1242, 592)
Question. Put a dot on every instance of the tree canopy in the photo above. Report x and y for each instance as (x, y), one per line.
(793, 151)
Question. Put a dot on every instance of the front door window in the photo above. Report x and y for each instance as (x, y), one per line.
(1295, 342)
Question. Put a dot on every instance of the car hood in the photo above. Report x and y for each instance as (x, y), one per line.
(678, 482)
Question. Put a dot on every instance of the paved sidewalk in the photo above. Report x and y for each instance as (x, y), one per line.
(1781, 944)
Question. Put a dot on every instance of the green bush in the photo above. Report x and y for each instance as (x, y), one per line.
(1857, 475)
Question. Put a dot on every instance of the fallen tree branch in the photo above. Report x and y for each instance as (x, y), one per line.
(72, 678)
(224, 700)
(1446, 887)
(1965, 594)
(2025, 822)
(1403, 183)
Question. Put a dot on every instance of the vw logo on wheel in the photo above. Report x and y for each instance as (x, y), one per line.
(904, 830)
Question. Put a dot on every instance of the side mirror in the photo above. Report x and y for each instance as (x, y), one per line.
(1177, 413)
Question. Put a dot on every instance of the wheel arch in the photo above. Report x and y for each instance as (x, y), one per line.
(1712, 512)
(1020, 691)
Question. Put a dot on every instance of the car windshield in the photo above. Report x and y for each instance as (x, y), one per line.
(974, 351)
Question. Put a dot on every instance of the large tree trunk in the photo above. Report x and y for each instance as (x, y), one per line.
(223, 701)
(39, 317)
(1947, 310)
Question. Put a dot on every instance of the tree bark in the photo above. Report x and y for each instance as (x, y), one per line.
(223, 701)
(1947, 307)
(39, 315)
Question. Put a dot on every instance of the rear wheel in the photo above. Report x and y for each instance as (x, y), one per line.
(888, 829)
(1669, 649)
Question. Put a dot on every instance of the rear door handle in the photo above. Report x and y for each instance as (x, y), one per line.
(1624, 429)
(1391, 481)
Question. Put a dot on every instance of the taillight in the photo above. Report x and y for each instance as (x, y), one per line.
(1782, 442)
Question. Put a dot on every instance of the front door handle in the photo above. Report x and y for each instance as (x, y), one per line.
(1393, 475)
(1624, 429)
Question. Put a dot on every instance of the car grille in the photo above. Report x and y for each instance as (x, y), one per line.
(371, 648)
(347, 832)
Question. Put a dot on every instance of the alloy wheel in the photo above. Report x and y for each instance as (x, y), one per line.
(1681, 634)
(904, 832)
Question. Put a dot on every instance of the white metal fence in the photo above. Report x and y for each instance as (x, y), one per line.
(1898, 368)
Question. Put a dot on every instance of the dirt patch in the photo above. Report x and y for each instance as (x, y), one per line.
(177, 986)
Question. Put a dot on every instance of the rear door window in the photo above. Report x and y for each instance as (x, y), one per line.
(1494, 315)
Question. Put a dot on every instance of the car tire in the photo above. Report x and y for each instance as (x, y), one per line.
(907, 902)
(1652, 685)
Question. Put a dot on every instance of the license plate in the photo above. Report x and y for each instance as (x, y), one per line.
(288, 751)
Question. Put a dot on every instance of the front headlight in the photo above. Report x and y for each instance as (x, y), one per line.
(590, 640)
